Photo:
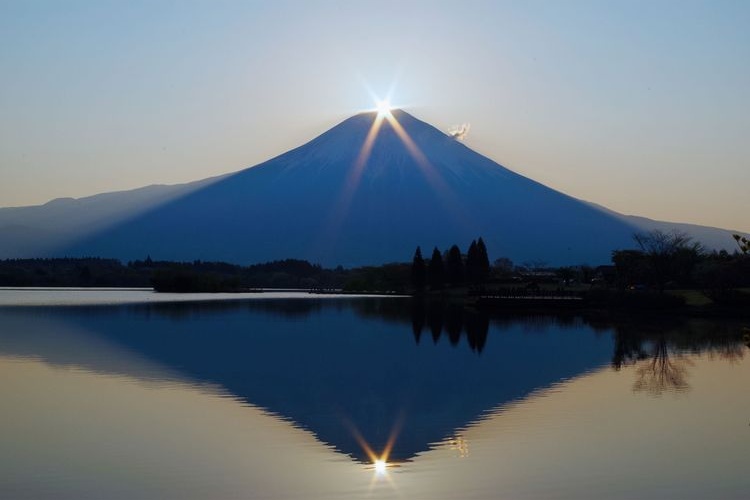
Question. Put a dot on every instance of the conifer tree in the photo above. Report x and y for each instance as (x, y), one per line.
(454, 266)
(418, 271)
(483, 261)
(435, 270)
(472, 263)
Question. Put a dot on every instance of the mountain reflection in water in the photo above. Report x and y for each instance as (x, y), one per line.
(281, 398)
(370, 368)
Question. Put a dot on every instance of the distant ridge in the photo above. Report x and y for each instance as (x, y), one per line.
(336, 201)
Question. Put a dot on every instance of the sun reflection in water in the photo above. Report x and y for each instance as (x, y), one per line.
(380, 467)
(378, 462)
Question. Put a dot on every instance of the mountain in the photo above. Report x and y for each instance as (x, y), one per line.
(350, 197)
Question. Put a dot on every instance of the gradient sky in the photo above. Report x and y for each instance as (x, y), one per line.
(643, 107)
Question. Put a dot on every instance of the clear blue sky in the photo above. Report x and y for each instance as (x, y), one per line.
(643, 107)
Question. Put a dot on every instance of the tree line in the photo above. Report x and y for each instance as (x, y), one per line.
(176, 276)
(200, 276)
(657, 262)
(673, 260)
(452, 268)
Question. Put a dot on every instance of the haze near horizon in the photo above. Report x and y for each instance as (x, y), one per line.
(640, 107)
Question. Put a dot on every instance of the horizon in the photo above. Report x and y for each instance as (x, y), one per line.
(629, 107)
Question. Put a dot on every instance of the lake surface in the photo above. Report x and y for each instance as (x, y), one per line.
(123, 395)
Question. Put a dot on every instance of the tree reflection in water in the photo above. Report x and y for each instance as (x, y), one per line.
(663, 372)
(452, 319)
(657, 349)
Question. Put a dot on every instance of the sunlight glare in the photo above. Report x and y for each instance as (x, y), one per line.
(384, 108)
(380, 466)
(384, 114)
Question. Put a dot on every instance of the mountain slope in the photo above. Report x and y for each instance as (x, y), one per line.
(42, 230)
(710, 237)
(328, 202)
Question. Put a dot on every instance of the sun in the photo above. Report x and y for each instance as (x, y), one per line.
(380, 466)
(383, 107)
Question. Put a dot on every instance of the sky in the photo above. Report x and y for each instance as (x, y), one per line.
(640, 106)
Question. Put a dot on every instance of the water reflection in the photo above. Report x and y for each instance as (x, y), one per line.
(371, 378)
(318, 363)
(659, 350)
(664, 372)
(453, 320)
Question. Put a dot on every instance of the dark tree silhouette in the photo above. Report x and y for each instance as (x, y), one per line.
(669, 256)
(483, 264)
(436, 271)
(472, 264)
(477, 262)
(631, 267)
(454, 266)
(418, 271)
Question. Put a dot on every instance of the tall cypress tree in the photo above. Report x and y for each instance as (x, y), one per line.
(472, 263)
(483, 261)
(418, 271)
(435, 270)
(454, 266)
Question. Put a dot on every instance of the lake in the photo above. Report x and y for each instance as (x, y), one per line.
(134, 395)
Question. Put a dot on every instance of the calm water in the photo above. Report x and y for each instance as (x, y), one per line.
(295, 396)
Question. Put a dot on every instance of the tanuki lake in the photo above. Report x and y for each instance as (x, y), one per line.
(133, 395)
